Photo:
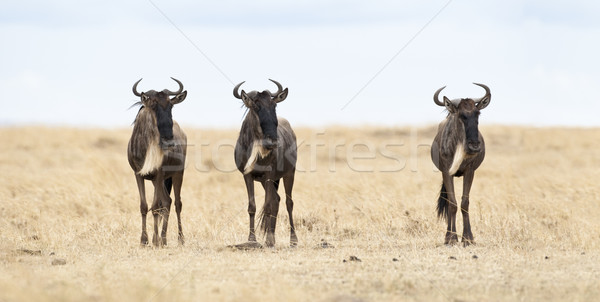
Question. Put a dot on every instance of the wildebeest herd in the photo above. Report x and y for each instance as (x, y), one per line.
(266, 152)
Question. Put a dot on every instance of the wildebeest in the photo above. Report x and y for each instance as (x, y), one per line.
(458, 149)
(156, 152)
(266, 152)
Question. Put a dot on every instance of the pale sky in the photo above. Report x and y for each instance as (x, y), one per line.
(74, 62)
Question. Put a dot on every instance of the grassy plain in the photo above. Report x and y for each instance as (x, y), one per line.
(69, 195)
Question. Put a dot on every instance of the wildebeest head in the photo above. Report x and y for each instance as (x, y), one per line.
(261, 106)
(465, 112)
(161, 103)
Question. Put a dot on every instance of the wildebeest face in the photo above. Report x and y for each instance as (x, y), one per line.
(161, 103)
(466, 112)
(262, 106)
(468, 116)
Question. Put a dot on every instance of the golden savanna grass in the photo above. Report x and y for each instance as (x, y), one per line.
(69, 194)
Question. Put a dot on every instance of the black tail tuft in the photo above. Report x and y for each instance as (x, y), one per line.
(442, 204)
(169, 185)
(264, 219)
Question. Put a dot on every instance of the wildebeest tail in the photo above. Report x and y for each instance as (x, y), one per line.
(264, 219)
(266, 214)
(442, 204)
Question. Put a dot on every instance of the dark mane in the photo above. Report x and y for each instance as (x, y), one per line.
(138, 103)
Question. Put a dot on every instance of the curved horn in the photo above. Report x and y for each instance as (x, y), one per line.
(178, 91)
(279, 89)
(135, 88)
(487, 91)
(235, 90)
(436, 99)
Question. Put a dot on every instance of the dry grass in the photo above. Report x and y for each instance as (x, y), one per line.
(70, 194)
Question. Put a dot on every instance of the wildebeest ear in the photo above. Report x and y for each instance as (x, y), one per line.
(484, 102)
(144, 97)
(247, 100)
(449, 105)
(281, 97)
(179, 98)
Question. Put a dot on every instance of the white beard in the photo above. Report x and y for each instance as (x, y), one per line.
(154, 159)
(459, 156)
(257, 151)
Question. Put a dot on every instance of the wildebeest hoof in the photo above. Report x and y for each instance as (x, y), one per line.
(450, 242)
(451, 239)
(250, 245)
(270, 241)
(158, 241)
(181, 240)
(293, 240)
(467, 242)
(144, 239)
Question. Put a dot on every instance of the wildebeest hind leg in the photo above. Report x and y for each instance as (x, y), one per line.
(157, 203)
(467, 236)
(271, 209)
(177, 183)
(164, 212)
(451, 235)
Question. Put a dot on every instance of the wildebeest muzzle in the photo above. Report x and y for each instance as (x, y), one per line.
(166, 143)
(473, 147)
(269, 143)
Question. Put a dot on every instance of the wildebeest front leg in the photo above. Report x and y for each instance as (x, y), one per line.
(157, 207)
(165, 210)
(272, 200)
(288, 183)
(251, 206)
(467, 236)
(451, 235)
(143, 208)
